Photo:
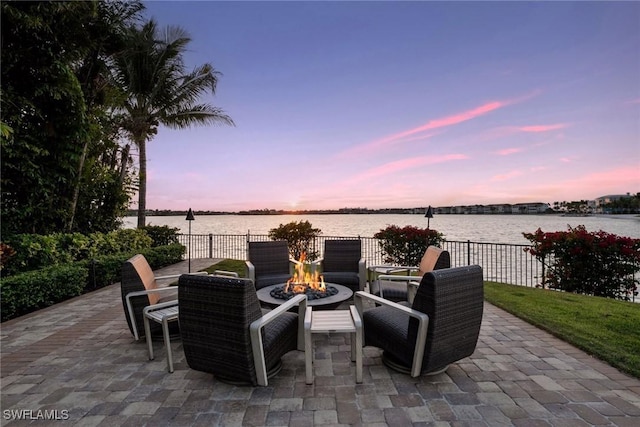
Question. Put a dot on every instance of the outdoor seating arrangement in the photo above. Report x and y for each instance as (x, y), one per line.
(397, 287)
(224, 331)
(343, 264)
(269, 263)
(139, 289)
(440, 327)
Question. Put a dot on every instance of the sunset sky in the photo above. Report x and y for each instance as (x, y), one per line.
(405, 104)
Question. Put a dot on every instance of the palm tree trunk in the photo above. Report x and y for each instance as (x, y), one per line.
(76, 190)
(142, 184)
(124, 160)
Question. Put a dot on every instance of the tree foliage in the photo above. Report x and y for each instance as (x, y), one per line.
(157, 89)
(299, 236)
(58, 139)
(597, 263)
(406, 245)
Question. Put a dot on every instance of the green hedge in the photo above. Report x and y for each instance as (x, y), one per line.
(26, 292)
(34, 251)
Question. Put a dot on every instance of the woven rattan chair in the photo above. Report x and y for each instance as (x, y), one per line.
(139, 289)
(268, 263)
(225, 333)
(342, 263)
(396, 286)
(441, 327)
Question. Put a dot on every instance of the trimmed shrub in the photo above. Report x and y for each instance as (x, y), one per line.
(6, 253)
(105, 270)
(30, 291)
(162, 235)
(27, 292)
(299, 236)
(407, 245)
(163, 255)
(33, 251)
(599, 264)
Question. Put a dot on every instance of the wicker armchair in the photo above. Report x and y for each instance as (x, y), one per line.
(395, 286)
(268, 263)
(225, 333)
(139, 289)
(342, 263)
(441, 327)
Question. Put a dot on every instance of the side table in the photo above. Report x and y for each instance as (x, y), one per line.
(162, 315)
(341, 321)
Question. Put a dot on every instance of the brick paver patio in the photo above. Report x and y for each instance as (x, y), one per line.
(78, 362)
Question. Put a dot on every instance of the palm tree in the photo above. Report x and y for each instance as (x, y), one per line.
(157, 89)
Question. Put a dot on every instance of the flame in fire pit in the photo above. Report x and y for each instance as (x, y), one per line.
(303, 279)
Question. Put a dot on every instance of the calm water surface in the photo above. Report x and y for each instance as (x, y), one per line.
(477, 228)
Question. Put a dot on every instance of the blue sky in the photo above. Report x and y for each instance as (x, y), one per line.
(403, 104)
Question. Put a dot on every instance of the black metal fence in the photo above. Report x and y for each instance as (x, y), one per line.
(505, 263)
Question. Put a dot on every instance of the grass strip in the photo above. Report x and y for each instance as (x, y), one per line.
(604, 328)
(234, 265)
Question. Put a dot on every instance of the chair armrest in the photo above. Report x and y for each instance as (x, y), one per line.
(251, 271)
(130, 295)
(362, 273)
(397, 278)
(389, 269)
(225, 273)
(159, 306)
(423, 325)
(170, 276)
(255, 329)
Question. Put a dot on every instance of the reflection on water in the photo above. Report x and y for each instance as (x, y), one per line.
(477, 228)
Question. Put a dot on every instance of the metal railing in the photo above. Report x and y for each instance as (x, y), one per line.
(505, 263)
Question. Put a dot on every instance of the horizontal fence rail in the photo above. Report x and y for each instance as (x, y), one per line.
(505, 263)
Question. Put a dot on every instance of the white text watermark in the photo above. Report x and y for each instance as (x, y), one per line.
(40, 414)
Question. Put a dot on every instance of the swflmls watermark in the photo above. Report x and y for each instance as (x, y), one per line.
(40, 414)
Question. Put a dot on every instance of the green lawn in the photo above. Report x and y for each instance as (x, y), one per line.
(605, 328)
(237, 266)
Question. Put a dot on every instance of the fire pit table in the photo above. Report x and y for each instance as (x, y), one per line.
(327, 303)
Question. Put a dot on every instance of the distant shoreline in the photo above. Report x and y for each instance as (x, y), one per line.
(371, 212)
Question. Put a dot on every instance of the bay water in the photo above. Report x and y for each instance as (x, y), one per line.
(476, 228)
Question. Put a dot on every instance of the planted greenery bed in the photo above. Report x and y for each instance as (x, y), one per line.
(605, 328)
(27, 292)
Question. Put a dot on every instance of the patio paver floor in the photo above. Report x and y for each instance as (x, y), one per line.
(78, 361)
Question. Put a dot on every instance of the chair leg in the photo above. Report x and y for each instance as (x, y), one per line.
(147, 332)
(308, 347)
(167, 343)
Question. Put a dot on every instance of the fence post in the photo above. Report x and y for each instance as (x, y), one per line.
(247, 245)
(468, 252)
(210, 245)
(544, 285)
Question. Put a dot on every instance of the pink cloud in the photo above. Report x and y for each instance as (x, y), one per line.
(542, 128)
(439, 123)
(506, 176)
(451, 120)
(409, 163)
(508, 151)
(613, 181)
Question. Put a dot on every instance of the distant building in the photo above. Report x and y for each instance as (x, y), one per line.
(600, 202)
(520, 208)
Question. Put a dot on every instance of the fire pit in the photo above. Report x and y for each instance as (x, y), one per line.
(319, 294)
(281, 292)
(304, 282)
